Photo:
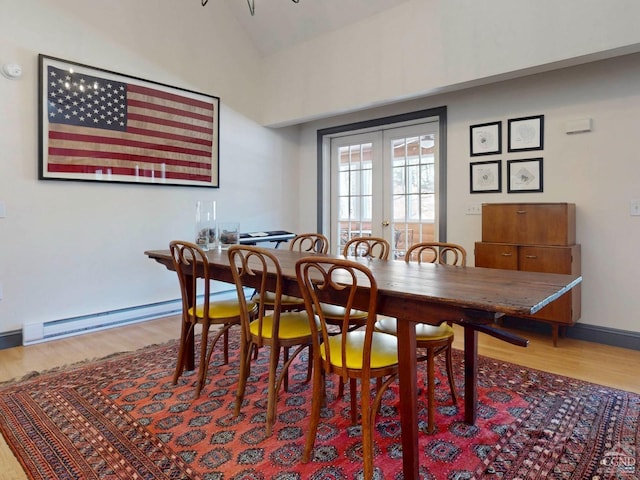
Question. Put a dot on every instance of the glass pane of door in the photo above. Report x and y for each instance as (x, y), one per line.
(354, 160)
(411, 163)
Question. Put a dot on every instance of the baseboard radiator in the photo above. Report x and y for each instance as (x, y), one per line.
(67, 327)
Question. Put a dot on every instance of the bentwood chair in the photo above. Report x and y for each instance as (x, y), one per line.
(435, 339)
(353, 355)
(370, 247)
(279, 330)
(306, 243)
(186, 258)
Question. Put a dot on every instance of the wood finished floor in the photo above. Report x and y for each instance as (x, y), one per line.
(602, 364)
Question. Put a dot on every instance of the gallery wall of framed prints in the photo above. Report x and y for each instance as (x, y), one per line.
(523, 174)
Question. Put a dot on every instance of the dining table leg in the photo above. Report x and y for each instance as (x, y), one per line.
(470, 374)
(407, 379)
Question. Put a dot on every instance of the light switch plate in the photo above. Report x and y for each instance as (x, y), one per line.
(474, 209)
(634, 207)
(3, 210)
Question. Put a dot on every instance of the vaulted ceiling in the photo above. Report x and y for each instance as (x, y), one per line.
(280, 24)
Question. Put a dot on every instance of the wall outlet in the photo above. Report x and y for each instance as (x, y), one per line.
(474, 209)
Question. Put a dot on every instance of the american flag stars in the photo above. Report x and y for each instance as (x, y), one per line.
(79, 99)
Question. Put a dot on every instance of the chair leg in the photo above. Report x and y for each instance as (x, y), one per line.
(353, 385)
(452, 382)
(309, 363)
(245, 367)
(185, 331)
(224, 333)
(204, 364)
(430, 391)
(317, 400)
(272, 396)
(368, 421)
(226, 345)
(285, 359)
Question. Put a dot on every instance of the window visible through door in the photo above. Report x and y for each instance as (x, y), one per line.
(412, 178)
(384, 183)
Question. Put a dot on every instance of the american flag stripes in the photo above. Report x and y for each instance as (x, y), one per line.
(101, 128)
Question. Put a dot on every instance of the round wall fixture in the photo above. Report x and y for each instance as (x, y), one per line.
(12, 71)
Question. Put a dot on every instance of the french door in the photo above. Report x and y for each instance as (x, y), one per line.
(384, 183)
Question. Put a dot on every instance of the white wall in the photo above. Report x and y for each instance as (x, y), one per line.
(428, 46)
(74, 248)
(599, 171)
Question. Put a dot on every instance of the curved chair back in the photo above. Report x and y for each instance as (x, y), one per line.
(337, 278)
(373, 247)
(248, 264)
(437, 252)
(186, 256)
(309, 242)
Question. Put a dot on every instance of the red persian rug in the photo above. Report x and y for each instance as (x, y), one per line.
(121, 418)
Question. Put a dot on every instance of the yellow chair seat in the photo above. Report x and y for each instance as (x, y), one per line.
(424, 331)
(292, 325)
(336, 311)
(384, 350)
(270, 297)
(221, 309)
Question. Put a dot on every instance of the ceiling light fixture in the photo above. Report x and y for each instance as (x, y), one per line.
(251, 3)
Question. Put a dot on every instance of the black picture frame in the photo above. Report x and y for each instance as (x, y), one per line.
(525, 175)
(134, 131)
(485, 139)
(525, 134)
(485, 177)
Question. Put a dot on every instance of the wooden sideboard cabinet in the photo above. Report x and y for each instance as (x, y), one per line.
(535, 237)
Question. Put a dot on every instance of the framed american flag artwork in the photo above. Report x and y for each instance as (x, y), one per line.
(98, 125)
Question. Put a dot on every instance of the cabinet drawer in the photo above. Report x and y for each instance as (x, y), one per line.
(529, 223)
(496, 255)
(545, 259)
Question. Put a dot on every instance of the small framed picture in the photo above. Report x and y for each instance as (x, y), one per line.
(485, 139)
(486, 177)
(526, 133)
(524, 175)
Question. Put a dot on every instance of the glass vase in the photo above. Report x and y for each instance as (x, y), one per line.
(206, 232)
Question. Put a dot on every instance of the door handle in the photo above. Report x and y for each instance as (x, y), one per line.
(386, 223)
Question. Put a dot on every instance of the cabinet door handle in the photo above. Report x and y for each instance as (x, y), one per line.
(530, 256)
(507, 254)
(521, 212)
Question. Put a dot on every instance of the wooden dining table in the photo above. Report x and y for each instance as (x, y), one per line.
(471, 297)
